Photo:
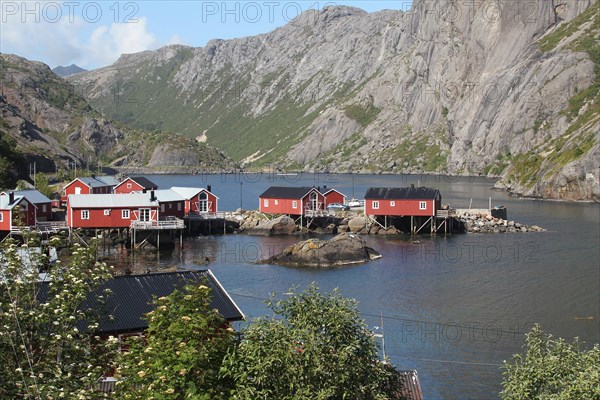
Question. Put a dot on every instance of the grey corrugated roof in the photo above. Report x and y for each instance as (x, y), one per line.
(34, 196)
(132, 296)
(110, 200)
(92, 182)
(109, 180)
(282, 192)
(407, 193)
(166, 195)
(189, 192)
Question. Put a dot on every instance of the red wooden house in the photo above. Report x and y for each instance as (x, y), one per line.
(198, 200)
(12, 207)
(135, 184)
(86, 185)
(333, 196)
(42, 203)
(401, 202)
(291, 200)
(111, 210)
(171, 204)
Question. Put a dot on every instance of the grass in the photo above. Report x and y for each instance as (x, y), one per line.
(364, 115)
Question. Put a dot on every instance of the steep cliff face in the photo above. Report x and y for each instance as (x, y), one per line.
(51, 124)
(448, 87)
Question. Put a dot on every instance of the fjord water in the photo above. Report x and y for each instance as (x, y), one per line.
(454, 307)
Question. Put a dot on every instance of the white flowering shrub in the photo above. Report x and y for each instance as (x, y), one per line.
(48, 345)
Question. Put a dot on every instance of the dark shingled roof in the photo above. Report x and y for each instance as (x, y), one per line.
(144, 182)
(281, 192)
(132, 297)
(411, 387)
(408, 193)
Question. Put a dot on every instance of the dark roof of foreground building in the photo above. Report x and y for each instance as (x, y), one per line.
(282, 192)
(407, 193)
(132, 296)
(411, 387)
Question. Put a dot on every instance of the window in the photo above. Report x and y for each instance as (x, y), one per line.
(266, 202)
(162, 207)
(375, 205)
(276, 202)
(106, 212)
(178, 206)
(423, 205)
(77, 190)
(85, 214)
(1, 217)
(170, 206)
(129, 186)
(125, 214)
(392, 204)
(44, 208)
(294, 204)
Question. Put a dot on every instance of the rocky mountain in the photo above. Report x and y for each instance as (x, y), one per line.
(66, 71)
(496, 88)
(44, 120)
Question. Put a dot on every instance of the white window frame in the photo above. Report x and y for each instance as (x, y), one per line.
(422, 205)
(294, 204)
(129, 185)
(276, 202)
(162, 207)
(392, 203)
(44, 207)
(107, 211)
(265, 202)
(178, 206)
(1, 217)
(125, 214)
(375, 204)
(77, 190)
(85, 214)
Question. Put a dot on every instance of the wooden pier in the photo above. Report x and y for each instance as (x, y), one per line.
(170, 224)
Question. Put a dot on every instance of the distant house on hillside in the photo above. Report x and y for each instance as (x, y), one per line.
(43, 204)
(86, 185)
(9, 204)
(135, 184)
(291, 200)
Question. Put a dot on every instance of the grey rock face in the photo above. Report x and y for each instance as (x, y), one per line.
(449, 87)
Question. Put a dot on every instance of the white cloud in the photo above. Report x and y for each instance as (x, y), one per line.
(107, 44)
(65, 42)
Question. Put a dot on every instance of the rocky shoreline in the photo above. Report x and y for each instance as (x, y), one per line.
(255, 223)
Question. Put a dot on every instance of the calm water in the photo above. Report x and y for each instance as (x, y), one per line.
(453, 307)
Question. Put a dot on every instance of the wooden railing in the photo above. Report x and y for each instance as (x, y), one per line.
(446, 213)
(207, 215)
(169, 223)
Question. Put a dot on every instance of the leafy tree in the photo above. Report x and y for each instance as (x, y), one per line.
(181, 354)
(552, 369)
(46, 349)
(43, 185)
(315, 347)
(11, 161)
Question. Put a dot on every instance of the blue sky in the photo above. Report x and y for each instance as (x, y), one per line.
(94, 33)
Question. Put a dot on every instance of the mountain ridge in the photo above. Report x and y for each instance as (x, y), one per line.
(404, 92)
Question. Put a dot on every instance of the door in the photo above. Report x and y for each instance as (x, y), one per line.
(144, 214)
(203, 204)
(313, 201)
(77, 190)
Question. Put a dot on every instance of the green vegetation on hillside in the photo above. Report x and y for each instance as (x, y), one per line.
(11, 160)
(364, 115)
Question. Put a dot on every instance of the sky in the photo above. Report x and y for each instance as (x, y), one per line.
(93, 34)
